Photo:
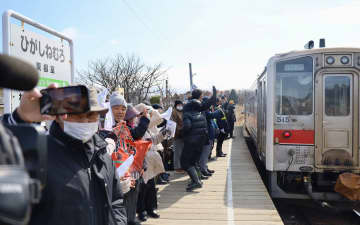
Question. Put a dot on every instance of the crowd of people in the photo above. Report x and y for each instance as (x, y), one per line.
(108, 176)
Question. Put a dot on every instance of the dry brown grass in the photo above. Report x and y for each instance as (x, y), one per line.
(239, 117)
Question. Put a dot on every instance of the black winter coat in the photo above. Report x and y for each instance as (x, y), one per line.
(139, 131)
(231, 114)
(209, 117)
(222, 122)
(194, 123)
(81, 186)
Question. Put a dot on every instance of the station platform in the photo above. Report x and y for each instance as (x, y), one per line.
(235, 194)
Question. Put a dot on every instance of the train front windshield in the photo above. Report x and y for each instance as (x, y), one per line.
(294, 86)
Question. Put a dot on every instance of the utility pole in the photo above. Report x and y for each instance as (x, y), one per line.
(191, 77)
(166, 87)
(167, 91)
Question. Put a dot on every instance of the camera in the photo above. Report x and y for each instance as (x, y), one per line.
(65, 100)
(23, 147)
(21, 183)
(23, 150)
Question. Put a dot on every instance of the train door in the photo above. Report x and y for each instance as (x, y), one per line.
(261, 118)
(336, 108)
(263, 121)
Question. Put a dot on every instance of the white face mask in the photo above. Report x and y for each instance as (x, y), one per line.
(179, 108)
(81, 131)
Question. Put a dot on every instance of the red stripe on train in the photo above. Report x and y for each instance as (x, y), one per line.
(296, 137)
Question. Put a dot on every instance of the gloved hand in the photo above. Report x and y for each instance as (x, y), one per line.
(214, 91)
(222, 131)
(111, 146)
(168, 132)
(163, 131)
(162, 124)
(126, 184)
(213, 97)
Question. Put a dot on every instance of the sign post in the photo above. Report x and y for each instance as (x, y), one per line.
(52, 57)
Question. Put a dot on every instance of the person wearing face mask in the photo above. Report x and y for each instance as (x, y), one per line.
(177, 117)
(82, 186)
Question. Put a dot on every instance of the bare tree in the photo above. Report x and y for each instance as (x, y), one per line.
(148, 82)
(128, 72)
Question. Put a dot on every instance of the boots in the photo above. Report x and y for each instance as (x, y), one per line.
(195, 182)
(206, 173)
(200, 174)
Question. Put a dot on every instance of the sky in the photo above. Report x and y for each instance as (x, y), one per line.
(228, 42)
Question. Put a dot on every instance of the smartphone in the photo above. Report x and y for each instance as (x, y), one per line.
(65, 100)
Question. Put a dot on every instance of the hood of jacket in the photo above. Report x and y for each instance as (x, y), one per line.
(155, 119)
(231, 107)
(194, 105)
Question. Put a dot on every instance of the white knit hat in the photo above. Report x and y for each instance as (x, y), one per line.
(117, 99)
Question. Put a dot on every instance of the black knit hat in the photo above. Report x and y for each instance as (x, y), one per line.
(196, 94)
(157, 106)
(178, 102)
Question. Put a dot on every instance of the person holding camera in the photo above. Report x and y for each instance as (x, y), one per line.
(82, 185)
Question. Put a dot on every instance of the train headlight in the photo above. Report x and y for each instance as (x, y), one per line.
(287, 134)
(330, 60)
(344, 60)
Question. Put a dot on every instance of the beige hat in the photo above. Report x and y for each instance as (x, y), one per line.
(93, 102)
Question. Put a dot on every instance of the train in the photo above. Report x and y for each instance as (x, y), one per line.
(302, 113)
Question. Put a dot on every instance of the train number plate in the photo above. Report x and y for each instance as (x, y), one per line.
(282, 119)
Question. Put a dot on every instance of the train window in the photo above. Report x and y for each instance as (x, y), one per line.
(294, 86)
(337, 95)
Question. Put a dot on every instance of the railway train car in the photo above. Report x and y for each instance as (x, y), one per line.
(302, 113)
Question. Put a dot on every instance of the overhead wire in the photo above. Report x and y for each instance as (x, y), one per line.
(141, 20)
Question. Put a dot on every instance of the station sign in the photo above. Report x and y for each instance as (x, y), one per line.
(50, 52)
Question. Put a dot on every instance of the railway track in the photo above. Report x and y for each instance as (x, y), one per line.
(305, 212)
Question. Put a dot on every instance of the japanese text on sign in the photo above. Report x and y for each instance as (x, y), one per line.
(34, 47)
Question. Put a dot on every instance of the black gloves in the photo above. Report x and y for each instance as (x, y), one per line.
(163, 123)
(108, 134)
(213, 97)
(214, 91)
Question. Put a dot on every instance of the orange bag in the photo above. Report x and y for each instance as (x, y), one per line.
(348, 185)
(126, 146)
(141, 147)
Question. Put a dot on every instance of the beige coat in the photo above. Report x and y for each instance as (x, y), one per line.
(153, 161)
(177, 117)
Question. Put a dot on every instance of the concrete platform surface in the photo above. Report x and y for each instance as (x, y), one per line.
(234, 195)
